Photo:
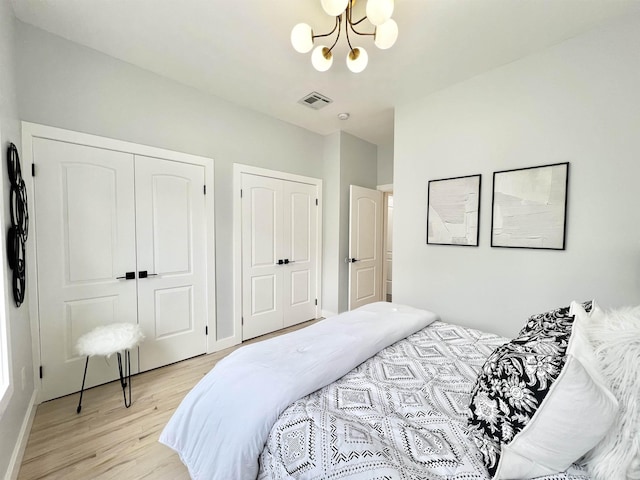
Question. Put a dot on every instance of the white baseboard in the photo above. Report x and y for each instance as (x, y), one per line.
(21, 444)
(327, 314)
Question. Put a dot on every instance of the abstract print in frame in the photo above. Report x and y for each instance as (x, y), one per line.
(529, 207)
(453, 211)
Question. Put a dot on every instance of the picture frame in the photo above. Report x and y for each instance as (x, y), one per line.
(453, 211)
(529, 207)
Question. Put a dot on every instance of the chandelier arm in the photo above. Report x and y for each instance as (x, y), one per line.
(359, 21)
(339, 22)
(363, 33)
(353, 24)
(346, 29)
(330, 33)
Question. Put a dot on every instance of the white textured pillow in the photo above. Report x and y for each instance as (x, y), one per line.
(616, 338)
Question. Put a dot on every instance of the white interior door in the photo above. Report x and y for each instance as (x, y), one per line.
(365, 246)
(300, 214)
(171, 249)
(262, 248)
(85, 237)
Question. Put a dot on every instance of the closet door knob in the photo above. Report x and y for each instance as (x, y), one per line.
(127, 276)
(144, 274)
(280, 262)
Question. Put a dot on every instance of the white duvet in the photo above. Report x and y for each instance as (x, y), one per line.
(220, 428)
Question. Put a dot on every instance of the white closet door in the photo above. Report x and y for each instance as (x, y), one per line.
(365, 246)
(171, 246)
(299, 244)
(261, 251)
(85, 236)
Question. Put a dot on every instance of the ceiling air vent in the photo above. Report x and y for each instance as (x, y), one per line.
(315, 100)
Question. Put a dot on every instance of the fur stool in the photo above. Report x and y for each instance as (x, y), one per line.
(107, 340)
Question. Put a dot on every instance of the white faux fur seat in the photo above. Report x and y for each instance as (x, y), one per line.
(105, 341)
(109, 339)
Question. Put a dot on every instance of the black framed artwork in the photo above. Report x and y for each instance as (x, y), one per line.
(529, 207)
(453, 211)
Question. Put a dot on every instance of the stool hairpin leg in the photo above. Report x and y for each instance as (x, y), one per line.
(84, 377)
(125, 374)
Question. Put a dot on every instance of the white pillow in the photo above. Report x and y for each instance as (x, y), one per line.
(574, 416)
(540, 402)
(616, 338)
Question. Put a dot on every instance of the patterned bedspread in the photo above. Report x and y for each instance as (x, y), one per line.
(399, 415)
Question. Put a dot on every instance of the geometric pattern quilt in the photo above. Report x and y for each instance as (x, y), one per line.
(402, 414)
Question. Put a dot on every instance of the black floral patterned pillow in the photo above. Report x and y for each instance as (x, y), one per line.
(515, 380)
(558, 320)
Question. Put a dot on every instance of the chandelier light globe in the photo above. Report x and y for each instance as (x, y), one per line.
(379, 11)
(357, 60)
(302, 38)
(321, 58)
(386, 34)
(334, 7)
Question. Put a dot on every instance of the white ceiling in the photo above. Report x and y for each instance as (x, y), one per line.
(240, 50)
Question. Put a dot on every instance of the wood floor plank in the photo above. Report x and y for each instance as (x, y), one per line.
(107, 441)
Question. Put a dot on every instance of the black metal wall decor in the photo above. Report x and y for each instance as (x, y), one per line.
(19, 230)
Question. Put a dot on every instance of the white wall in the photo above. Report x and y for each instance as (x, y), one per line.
(70, 86)
(578, 102)
(331, 231)
(11, 420)
(385, 164)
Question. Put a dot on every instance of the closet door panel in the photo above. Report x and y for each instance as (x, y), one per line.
(172, 227)
(299, 244)
(171, 249)
(85, 238)
(89, 202)
(261, 251)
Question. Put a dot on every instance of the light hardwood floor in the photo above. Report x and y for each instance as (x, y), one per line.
(107, 440)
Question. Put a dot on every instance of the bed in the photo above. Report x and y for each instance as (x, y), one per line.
(402, 414)
(382, 392)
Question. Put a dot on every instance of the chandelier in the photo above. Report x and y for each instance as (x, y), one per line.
(378, 13)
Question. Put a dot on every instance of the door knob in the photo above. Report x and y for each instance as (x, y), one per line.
(280, 262)
(127, 276)
(144, 274)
